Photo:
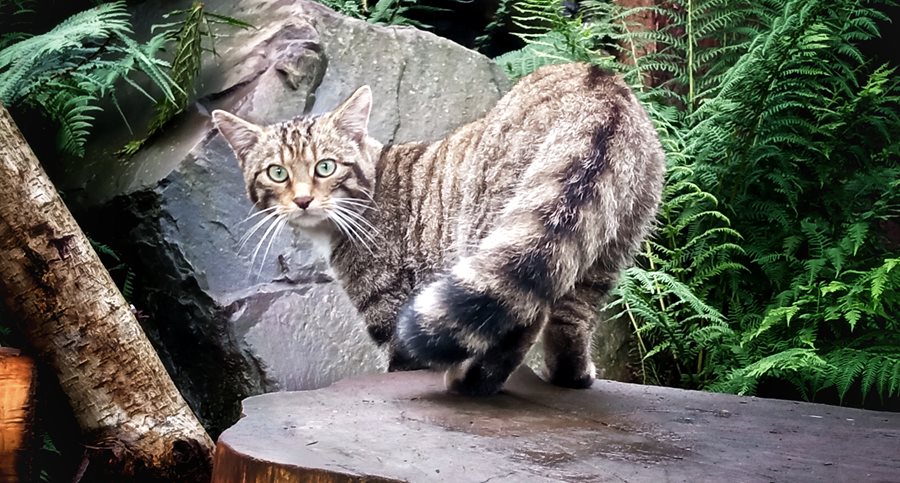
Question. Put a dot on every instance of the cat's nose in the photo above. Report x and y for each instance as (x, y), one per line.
(303, 201)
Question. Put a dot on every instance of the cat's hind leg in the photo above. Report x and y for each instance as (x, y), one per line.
(548, 235)
(485, 374)
(479, 335)
(569, 332)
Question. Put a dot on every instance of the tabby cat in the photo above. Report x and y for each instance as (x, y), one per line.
(459, 253)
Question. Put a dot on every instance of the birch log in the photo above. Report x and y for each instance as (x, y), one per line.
(130, 412)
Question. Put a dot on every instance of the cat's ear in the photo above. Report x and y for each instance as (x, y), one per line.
(352, 116)
(240, 134)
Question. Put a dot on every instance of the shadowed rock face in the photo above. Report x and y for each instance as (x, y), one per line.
(224, 328)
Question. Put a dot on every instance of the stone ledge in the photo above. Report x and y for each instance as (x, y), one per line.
(403, 427)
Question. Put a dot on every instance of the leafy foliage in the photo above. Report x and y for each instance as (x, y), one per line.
(796, 143)
(187, 35)
(774, 258)
(389, 12)
(14, 14)
(66, 71)
(116, 266)
(502, 15)
(552, 37)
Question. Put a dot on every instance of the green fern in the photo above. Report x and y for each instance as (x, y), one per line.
(187, 34)
(388, 12)
(350, 8)
(116, 266)
(772, 143)
(396, 12)
(66, 71)
(15, 14)
(786, 364)
(552, 37)
(546, 49)
(782, 186)
(502, 15)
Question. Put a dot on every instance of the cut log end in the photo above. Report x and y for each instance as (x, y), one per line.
(403, 427)
(231, 465)
(17, 389)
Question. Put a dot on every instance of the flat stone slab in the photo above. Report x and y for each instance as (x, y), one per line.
(403, 427)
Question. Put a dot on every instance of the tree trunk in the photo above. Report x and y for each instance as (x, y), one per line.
(17, 384)
(136, 422)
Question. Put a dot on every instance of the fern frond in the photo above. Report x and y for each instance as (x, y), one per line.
(792, 361)
(66, 71)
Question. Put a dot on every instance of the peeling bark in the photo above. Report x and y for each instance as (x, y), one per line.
(74, 316)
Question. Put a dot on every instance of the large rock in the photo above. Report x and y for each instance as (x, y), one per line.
(227, 329)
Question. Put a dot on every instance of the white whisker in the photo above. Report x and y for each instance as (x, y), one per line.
(261, 241)
(342, 226)
(254, 229)
(254, 215)
(345, 214)
(281, 222)
(369, 238)
(357, 233)
(333, 220)
(354, 228)
(369, 195)
(362, 219)
(353, 202)
(363, 233)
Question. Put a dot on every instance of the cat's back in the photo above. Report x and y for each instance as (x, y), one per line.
(559, 110)
(564, 93)
(567, 82)
(529, 143)
(540, 131)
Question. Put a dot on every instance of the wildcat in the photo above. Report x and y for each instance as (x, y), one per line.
(460, 253)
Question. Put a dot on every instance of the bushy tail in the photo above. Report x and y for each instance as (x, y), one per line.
(571, 217)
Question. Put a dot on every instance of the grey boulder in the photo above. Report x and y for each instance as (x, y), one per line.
(229, 324)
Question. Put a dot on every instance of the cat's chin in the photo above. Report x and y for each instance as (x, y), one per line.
(308, 221)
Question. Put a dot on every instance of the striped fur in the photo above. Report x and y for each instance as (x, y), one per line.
(513, 227)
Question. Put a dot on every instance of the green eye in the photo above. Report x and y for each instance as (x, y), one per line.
(325, 168)
(277, 173)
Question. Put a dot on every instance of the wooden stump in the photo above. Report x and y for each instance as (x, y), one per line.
(17, 386)
(403, 427)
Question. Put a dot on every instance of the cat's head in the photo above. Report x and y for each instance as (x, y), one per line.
(309, 169)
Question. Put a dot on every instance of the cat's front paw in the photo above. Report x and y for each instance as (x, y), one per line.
(564, 376)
